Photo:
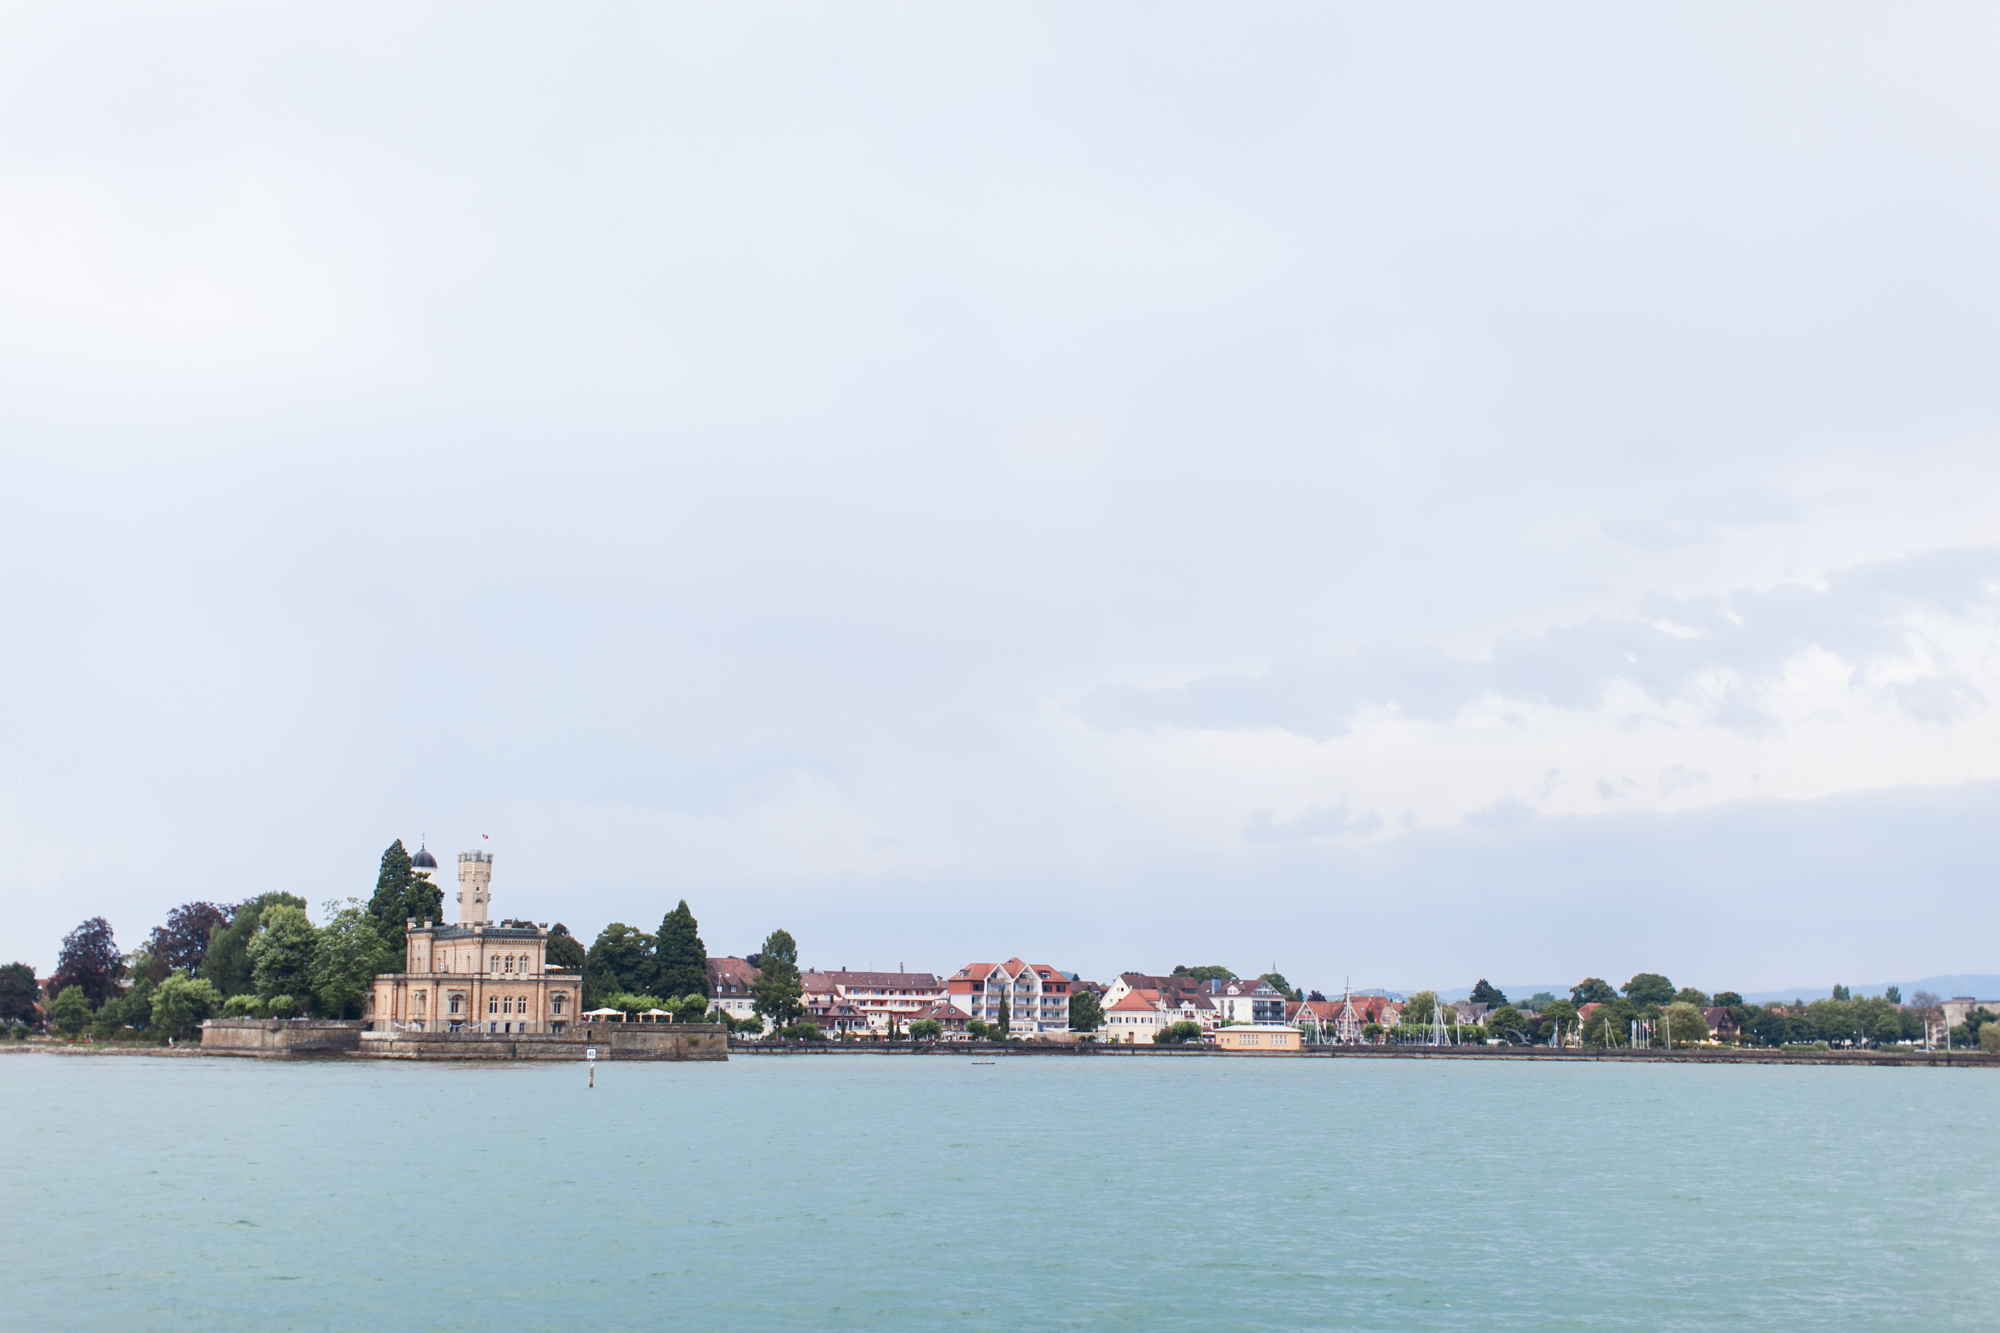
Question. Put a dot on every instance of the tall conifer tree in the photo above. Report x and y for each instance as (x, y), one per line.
(778, 993)
(679, 956)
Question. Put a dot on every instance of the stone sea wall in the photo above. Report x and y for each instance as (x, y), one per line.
(279, 1037)
(612, 1041)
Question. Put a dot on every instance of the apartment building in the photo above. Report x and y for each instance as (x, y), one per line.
(879, 996)
(1037, 995)
(1251, 1000)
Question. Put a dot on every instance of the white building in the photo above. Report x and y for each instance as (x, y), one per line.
(1037, 995)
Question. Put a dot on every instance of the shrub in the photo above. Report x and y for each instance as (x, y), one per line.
(926, 1029)
(801, 1031)
(1989, 1038)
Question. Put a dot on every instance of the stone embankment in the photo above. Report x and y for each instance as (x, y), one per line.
(301, 1038)
(1699, 1055)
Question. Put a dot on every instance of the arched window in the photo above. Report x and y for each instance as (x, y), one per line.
(492, 1004)
(454, 1002)
(493, 963)
(556, 1003)
(510, 962)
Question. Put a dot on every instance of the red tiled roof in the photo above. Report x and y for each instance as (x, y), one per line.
(886, 980)
(1147, 1000)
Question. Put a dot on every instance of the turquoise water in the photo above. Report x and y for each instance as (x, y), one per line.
(1037, 1193)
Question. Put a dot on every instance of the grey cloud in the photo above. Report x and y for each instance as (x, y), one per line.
(1749, 637)
(1329, 822)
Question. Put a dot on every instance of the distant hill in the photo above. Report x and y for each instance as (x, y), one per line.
(1514, 993)
(1979, 985)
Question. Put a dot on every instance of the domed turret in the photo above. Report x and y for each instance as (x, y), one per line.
(423, 860)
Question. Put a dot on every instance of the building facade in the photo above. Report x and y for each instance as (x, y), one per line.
(1259, 1038)
(474, 976)
(881, 996)
(1037, 995)
(729, 982)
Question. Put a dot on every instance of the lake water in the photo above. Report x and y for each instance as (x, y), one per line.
(1038, 1193)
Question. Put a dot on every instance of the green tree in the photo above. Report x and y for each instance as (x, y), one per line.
(1840, 992)
(1556, 1016)
(691, 1008)
(131, 1010)
(1507, 1024)
(281, 953)
(1086, 1012)
(680, 958)
(778, 994)
(181, 1002)
(925, 1029)
(69, 1012)
(389, 907)
(1989, 1038)
(1610, 1024)
(1685, 1025)
(1888, 1028)
(1649, 988)
(1591, 990)
(1207, 972)
(1282, 986)
(976, 1029)
(1689, 995)
(18, 993)
(1005, 1027)
(346, 953)
(1540, 1000)
(1177, 1034)
(802, 1031)
(621, 960)
(1893, 994)
(226, 963)
(565, 952)
(1729, 999)
(1420, 1008)
(1487, 993)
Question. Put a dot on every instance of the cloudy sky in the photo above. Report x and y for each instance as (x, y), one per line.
(1405, 495)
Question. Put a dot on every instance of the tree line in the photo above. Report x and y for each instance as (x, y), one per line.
(265, 958)
(1680, 1017)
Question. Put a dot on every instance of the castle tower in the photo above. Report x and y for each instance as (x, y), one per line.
(422, 863)
(475, 877)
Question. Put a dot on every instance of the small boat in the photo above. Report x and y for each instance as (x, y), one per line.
(982, 1062)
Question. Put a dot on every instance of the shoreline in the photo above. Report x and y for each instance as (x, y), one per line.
(1750, 1056)
(989, 1050)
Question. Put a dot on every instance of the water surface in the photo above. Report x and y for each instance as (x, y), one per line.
(1038, 1193)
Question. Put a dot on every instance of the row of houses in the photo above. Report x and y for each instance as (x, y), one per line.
(1137, 1006)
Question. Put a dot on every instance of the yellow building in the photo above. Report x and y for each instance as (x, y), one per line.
(474, 976)
(1263, 1038)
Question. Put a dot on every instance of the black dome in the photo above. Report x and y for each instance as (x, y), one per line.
(423, 860)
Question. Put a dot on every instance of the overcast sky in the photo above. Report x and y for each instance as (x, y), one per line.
(1402, 494)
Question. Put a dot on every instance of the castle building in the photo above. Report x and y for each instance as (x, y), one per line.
(473, 976)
